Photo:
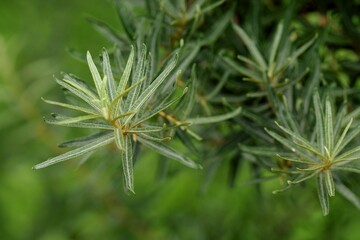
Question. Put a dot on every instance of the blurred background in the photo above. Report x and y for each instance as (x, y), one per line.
(68, 201)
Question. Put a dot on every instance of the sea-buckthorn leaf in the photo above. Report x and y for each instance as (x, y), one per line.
(250, 46)
(138, 74)
(107, 32)
(275, 43)
(169, 152)
(109, 75)
(70, 106)
(329, 181)
(154, 138)
(78, 142)
(323, 196)
(79, 92)
(156, 109)
(83, 124)
(126, 18)
(63, 120)
(144, 96)
(99, 142)
(214, 119)
(127, 71)
(348, 194)
(127, 162)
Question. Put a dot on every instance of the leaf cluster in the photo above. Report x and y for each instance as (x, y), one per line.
(229, 85)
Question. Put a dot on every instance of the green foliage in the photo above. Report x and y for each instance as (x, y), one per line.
(227, 86)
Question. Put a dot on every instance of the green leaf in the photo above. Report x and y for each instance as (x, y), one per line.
(218, 28)
(73, 107)
(290, 145)
(78, 142)
(93, 124)
(303, 177)
(311, 85)
(145, 95)
(303, 48)
(62, 120)
(99, 142)
(158, 108)
(242, 70)
(302, 140)
(107, 32)
(348, 155)
(348, 194)
(154, 45)
(329, 182)
(320, 134)
(352, 134)
(81, 92)
(329, 128)
(261, 151)
(250, 46)
(95, 75)
(169, 152)
(218, 87)
(146, 129)
(108, 73)
(214, 119)
(127, 162)
(341, 139)
(119, 139)
(126, 18)
(354, 169)
(275, 43)
(154, 138)
(323, 196)
(138, 75)
(127, 71)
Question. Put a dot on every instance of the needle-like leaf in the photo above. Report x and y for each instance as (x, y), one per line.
(99, 142)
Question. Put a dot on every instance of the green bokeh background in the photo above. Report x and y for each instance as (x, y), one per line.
(88, 202)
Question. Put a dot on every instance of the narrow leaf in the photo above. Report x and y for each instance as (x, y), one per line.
(62, 120)
(107, 32)
(95, 74)
(119, 139)
(329, 128)
(352, 134)
(348, 194)
(127, 71)
(144, 97)
(242, 70)
(329, 181)
(154, 138)
(214, 119)
(78, 142)
(297, 137)
(290, 145)
(251, 46)
(92, 101)
(276, 42)
(320, 134)
(128, 166)
(161, 107)
(126, 18)
(323, 196)
(341, 139)
(138, 74)
(169, 152)
(73, 107)
(108, 73)
(100, 142)
(93, 124)
(303, 48)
